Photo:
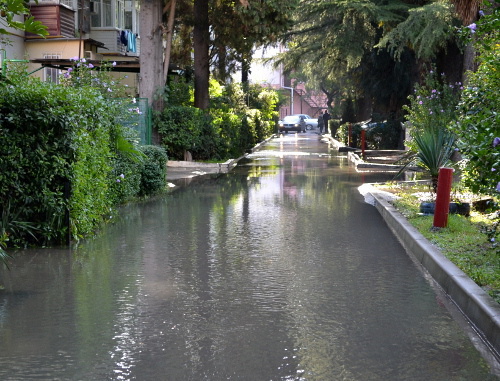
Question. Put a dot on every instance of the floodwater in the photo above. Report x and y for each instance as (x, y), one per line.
(276, 271)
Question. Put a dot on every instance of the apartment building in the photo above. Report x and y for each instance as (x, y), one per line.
(96, 30)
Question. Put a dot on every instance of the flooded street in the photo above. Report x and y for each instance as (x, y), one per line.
(276, 271)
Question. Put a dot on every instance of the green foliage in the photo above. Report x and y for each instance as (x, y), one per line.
(180, 128)
(427, 30)
(462, 241)
(434, 147)
(431, 112)
(479, 123)
(234, 122)
(153, 170)
(62, 152)
(124, 179)
(9, 9)
(179, 92)
(433, 103)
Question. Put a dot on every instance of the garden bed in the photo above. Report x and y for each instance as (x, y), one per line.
(464, 241)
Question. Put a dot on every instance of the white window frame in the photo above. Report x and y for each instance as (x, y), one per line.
(51, 74)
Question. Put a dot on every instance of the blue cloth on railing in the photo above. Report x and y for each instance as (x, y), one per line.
(131, 46)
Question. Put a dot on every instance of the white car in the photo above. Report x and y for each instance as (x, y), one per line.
(310, 122)
(292, 123)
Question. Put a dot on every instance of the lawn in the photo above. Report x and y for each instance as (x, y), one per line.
(463, 241)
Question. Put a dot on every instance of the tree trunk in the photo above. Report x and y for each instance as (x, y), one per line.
(169, 32)
(201, 54)
(150, 58)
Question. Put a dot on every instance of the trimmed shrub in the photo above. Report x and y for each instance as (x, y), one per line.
(180, 128)
(153, 170)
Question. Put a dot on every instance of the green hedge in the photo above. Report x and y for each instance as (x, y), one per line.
(65, 162)
(235, 122)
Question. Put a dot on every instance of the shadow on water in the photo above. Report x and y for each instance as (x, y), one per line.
(276, 271)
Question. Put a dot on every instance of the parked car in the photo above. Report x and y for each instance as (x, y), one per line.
(292, 123)
(310, 122)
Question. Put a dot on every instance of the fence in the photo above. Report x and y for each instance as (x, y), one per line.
(138, 116)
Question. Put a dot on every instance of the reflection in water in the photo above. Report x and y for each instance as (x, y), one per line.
(277, 271)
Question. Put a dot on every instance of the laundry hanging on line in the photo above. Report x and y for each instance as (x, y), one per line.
(127, 38)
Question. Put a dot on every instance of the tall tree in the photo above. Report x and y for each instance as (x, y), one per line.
(201, 43)
(151, 58)
(352, 37)
(236, 27)
(169, 30)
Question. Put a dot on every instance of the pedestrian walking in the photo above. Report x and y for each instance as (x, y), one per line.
(326, 118)
(320, 123)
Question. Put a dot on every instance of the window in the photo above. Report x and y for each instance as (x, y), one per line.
(102, 14)
(50, 74)
(120, 14)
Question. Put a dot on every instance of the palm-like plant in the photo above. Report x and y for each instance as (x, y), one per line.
(432, 149)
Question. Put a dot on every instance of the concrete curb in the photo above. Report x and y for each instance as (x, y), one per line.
(187, 170)
(480, 309)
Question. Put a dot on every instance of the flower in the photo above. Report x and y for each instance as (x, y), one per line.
(496, 142)
(122, 176)
(472, 27)
(420, 102)
(481, 13)
(498, 187)
(90, 66)
(114, 63)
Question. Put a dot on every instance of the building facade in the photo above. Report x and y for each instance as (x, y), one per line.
(300, 101)
(96, 30)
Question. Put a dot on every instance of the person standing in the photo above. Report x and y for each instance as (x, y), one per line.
(326, 118)
(320, 123)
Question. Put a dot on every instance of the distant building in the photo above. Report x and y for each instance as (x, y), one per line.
(96, 30)
(265, 74)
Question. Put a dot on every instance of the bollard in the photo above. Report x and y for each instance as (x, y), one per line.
(443, 196)
(363, 143)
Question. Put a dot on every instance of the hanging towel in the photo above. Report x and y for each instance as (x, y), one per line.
(131, 43)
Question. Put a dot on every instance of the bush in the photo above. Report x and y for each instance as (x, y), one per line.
(479, 121)
(235, 122)
(53, 136)
(180, 128)
(124, 179)
(153, 170)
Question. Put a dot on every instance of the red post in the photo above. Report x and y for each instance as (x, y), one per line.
(349, 136)
(363, 143)
(443, 196)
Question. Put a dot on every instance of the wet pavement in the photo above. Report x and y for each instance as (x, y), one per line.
(277, 270)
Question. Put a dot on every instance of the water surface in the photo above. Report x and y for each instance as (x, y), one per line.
(276, 271)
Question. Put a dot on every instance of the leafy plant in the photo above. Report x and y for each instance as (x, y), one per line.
(9, 12)
(11, 225)
(153, 170)
(434, 148)
(479, 124)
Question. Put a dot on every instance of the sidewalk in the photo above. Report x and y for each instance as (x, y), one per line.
(182, 172)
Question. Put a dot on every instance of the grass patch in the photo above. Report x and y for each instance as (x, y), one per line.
(462, 241)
